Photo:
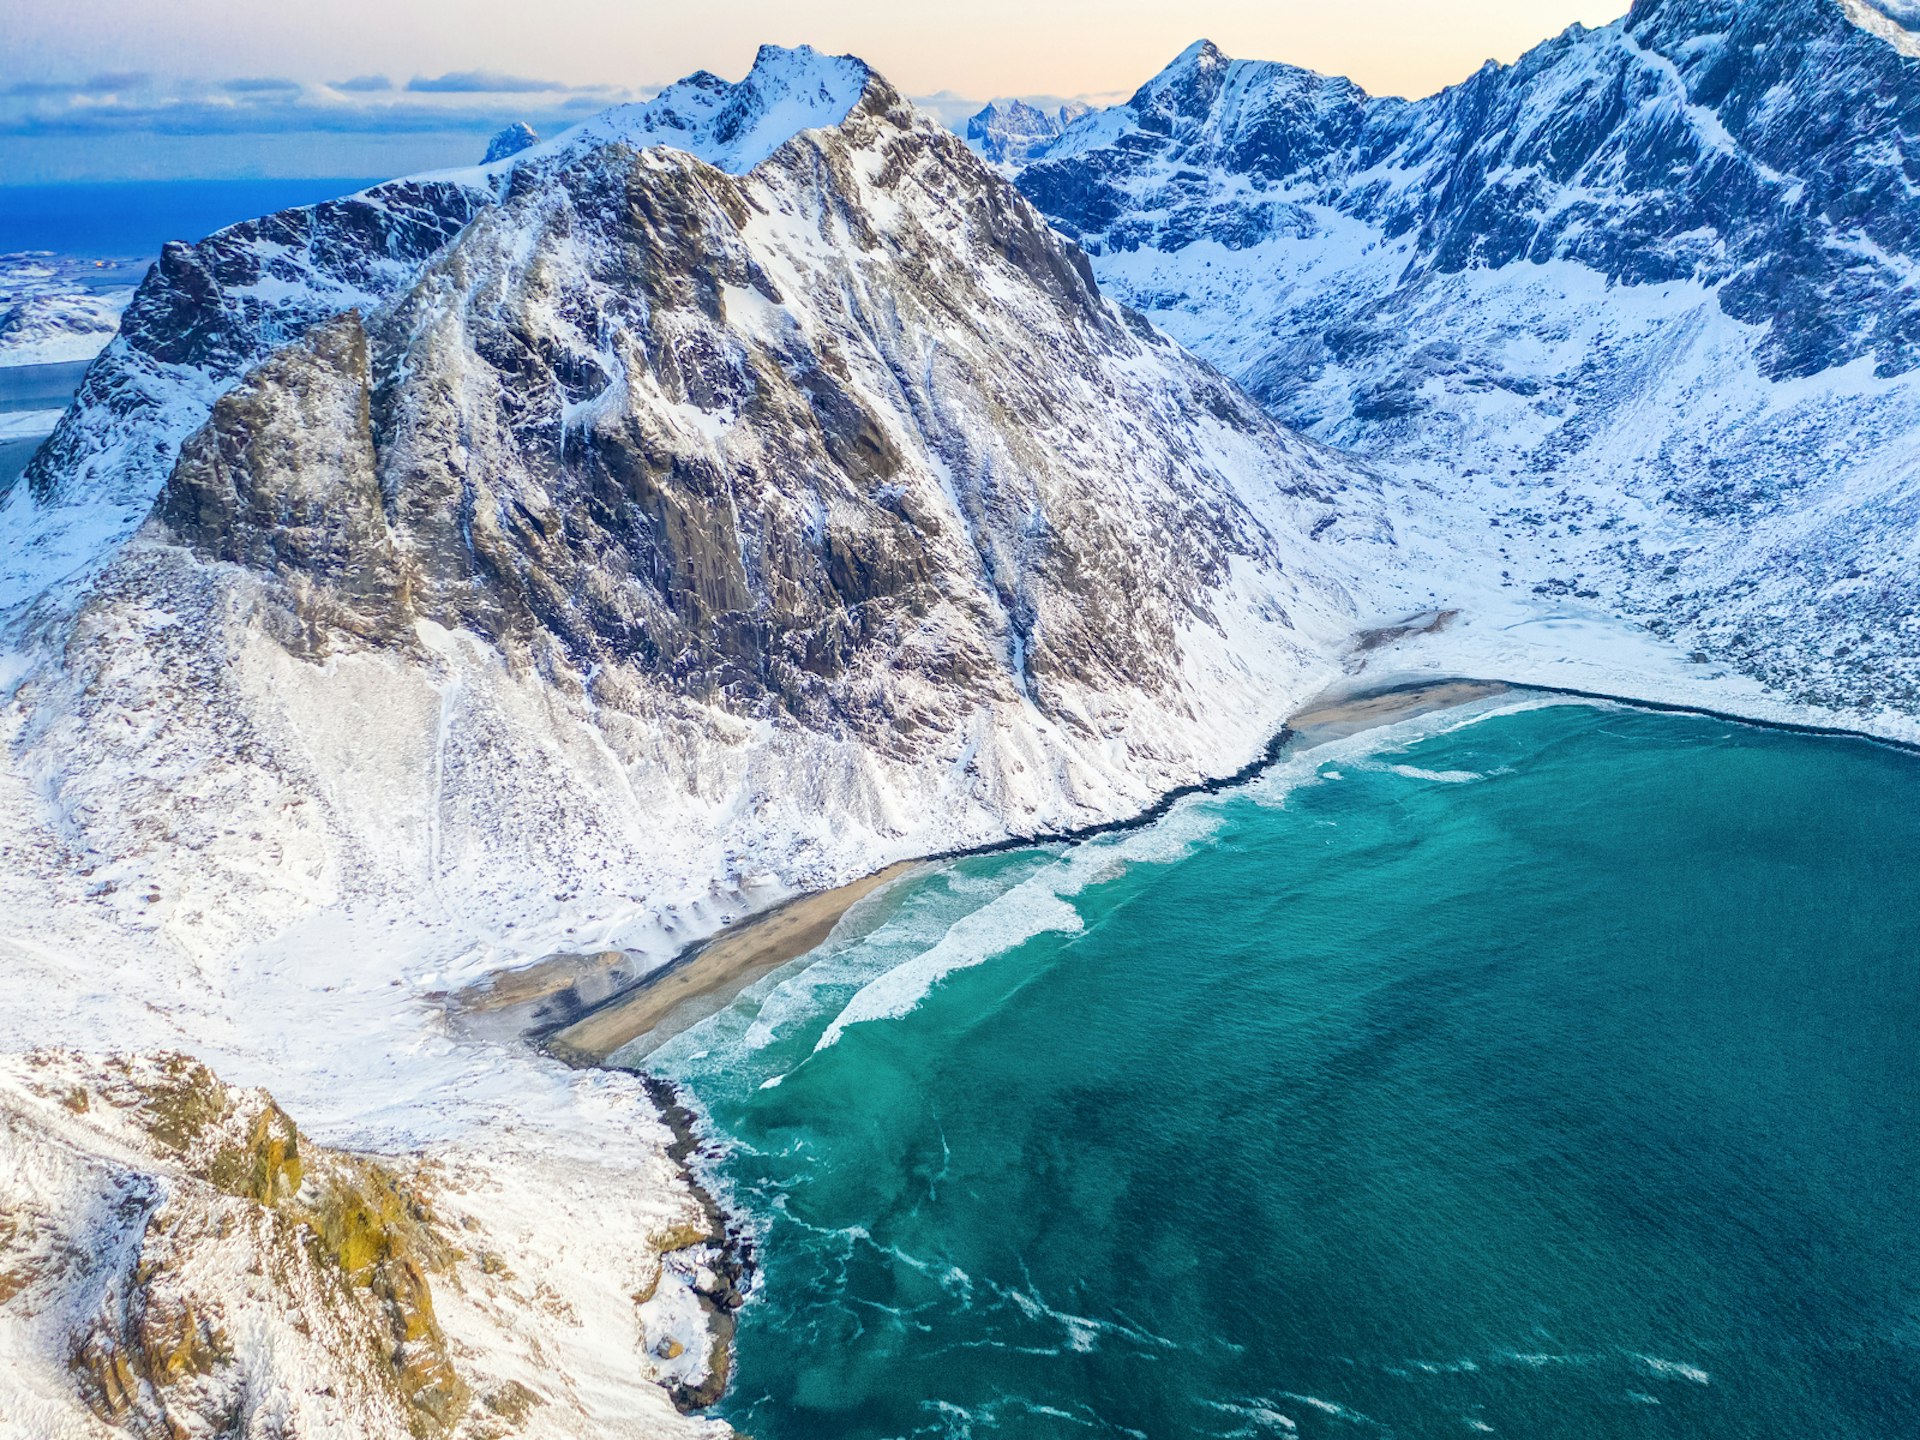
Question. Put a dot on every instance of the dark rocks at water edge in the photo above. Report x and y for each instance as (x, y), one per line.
(731, 1261)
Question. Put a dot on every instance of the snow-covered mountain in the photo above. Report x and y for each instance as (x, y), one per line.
(748, 488)
(1643, 302)
(1012, 130)
(819, 512)
(509, 141)
(54, 311)
(724, 498)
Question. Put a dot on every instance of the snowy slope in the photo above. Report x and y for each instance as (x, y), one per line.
(54, 311)
(1640, 307)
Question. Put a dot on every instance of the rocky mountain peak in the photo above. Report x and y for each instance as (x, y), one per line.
(211, 309)
(1015, 131)
(1186, 89)
(510, 141)
(732, 125)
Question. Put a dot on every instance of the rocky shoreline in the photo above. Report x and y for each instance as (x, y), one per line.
(732, 1266)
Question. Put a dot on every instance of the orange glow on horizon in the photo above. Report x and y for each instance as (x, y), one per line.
(983, 48)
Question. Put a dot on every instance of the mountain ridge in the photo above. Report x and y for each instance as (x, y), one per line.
(839, 465)
(1641, 302)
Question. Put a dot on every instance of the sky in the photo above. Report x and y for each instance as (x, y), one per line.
(150, 89)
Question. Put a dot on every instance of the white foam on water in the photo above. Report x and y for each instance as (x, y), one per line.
(1537, 1360)
(1328, 1407)
(1673, 1369)
(1081, 1332)
(893, 967)
(1440, 777)
(1445, 1367)
(1331, 759)
(1040, 904)
(1260, 1414)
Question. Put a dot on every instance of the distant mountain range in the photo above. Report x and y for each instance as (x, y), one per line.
(1644, 300)
(1012, 130)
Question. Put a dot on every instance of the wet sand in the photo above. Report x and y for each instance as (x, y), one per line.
(705, 981)
(673, 999)
(1337, 718)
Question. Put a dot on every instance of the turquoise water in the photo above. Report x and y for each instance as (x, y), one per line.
(1557, 1075)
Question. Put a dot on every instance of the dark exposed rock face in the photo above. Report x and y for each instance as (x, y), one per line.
(648, 415)
(253, 487)
(210, 310)
(201, 1183)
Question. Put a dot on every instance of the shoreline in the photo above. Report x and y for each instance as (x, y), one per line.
(756, 945)
(708, 976)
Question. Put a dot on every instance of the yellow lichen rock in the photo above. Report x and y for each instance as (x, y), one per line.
(341, 1246)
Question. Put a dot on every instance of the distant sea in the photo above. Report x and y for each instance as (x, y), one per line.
(132, 219)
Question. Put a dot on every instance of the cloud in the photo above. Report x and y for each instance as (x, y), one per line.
(950, 107)
(111, 82)
(295, 116)
(479, 82)
(134, 105)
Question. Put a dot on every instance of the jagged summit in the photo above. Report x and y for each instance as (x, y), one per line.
(1013, 130)
(510, 141)
(1188, 84)
(1664, 269)
(1206, 108)
(730, 125)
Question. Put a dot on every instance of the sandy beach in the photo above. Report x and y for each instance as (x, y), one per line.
(704, 981)
(1335, 718)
